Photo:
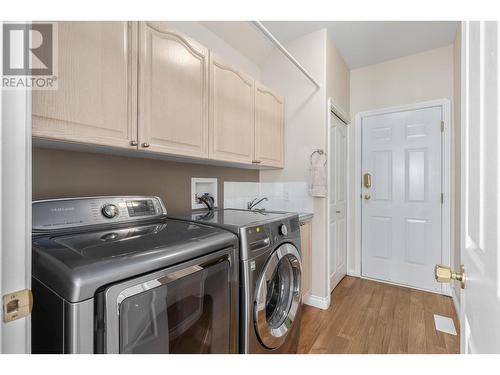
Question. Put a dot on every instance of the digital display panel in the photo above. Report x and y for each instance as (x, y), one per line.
(140, 208)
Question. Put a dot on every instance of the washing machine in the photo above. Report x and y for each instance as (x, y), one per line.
(270, 276)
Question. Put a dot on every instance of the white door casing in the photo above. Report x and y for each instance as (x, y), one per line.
(15, 204)
(404, 231)
(337, 201)
(480, 300)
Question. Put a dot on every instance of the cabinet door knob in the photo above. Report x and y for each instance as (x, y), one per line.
(145, 144)
(133, 143)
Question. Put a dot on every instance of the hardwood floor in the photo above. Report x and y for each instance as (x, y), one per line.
(371, 317)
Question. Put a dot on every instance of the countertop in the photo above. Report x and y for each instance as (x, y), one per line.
(303, 216)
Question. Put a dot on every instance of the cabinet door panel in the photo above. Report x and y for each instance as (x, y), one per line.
(268, 127)
(96, 100)
(306, 250)
(173, 92)
(231, 114)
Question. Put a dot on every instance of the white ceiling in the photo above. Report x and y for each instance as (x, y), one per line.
(363, 43)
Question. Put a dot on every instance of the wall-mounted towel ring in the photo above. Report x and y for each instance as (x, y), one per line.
(320, 153)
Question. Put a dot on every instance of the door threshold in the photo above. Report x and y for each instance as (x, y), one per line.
(443, 293)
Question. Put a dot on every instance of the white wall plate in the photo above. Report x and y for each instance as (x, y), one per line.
(200, 186)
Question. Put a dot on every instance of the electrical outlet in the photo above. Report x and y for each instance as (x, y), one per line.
(286, 196)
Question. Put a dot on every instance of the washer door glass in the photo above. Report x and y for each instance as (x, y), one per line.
(278, 296)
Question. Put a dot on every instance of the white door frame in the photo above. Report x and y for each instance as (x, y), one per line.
(355, 258)
(334, 109)
(15, 206)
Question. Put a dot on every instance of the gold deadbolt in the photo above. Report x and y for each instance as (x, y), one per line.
(444, 274)
(17, 305)
(367, 180)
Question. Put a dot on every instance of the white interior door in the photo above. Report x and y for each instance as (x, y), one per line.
(480, 300)
(337, 200)
(401, 210)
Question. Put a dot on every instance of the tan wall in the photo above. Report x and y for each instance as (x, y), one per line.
(337, 77)
(411, 79)
(306, 123)
(59, 173)
(305, 130)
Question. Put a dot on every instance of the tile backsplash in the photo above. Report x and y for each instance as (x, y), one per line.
(283, 196)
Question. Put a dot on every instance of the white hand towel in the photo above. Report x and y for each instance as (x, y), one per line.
(318, 177)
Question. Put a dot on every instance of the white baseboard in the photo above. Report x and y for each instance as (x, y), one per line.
(353, 273)
(456, 301)
(316, 301)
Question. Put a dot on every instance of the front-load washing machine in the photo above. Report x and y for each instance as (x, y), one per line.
(270, 276)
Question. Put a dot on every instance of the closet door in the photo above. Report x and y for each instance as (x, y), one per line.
(268, 128)
(173, 92)
(95, 101)
(231, 113)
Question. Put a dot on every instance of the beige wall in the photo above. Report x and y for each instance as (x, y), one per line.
(306, 123)
(338, 77)
(305, 130)
(59, 173)
(216, 44)
(412, 79)
(457, 87)
(424, 76)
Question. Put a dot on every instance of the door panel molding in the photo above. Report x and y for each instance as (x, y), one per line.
(354, 254)
(337, 204)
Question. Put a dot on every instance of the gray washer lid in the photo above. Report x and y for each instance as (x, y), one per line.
(76, 265)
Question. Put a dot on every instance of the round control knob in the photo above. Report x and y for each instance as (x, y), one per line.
(109, 210)
(283, 230)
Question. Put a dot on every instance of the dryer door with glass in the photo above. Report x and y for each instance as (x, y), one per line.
(189, 308)
(278, 296)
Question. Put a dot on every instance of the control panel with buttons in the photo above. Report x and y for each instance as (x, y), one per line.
(74, 212)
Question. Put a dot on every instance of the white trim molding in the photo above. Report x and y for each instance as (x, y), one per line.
(339, 112)
(447, 231)
(455, 296)
(15, 199)
(318, 302)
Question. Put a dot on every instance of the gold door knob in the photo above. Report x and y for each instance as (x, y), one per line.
(444, 274)
(368, 197)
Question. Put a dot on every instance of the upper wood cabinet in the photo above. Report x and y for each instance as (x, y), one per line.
(232, 107)
(95, 101)
(268, 127)
(173, 92)
(144, 86)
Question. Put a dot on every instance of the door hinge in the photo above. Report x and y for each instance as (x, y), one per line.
(17, 305)
(442, 126)
(442, 198)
